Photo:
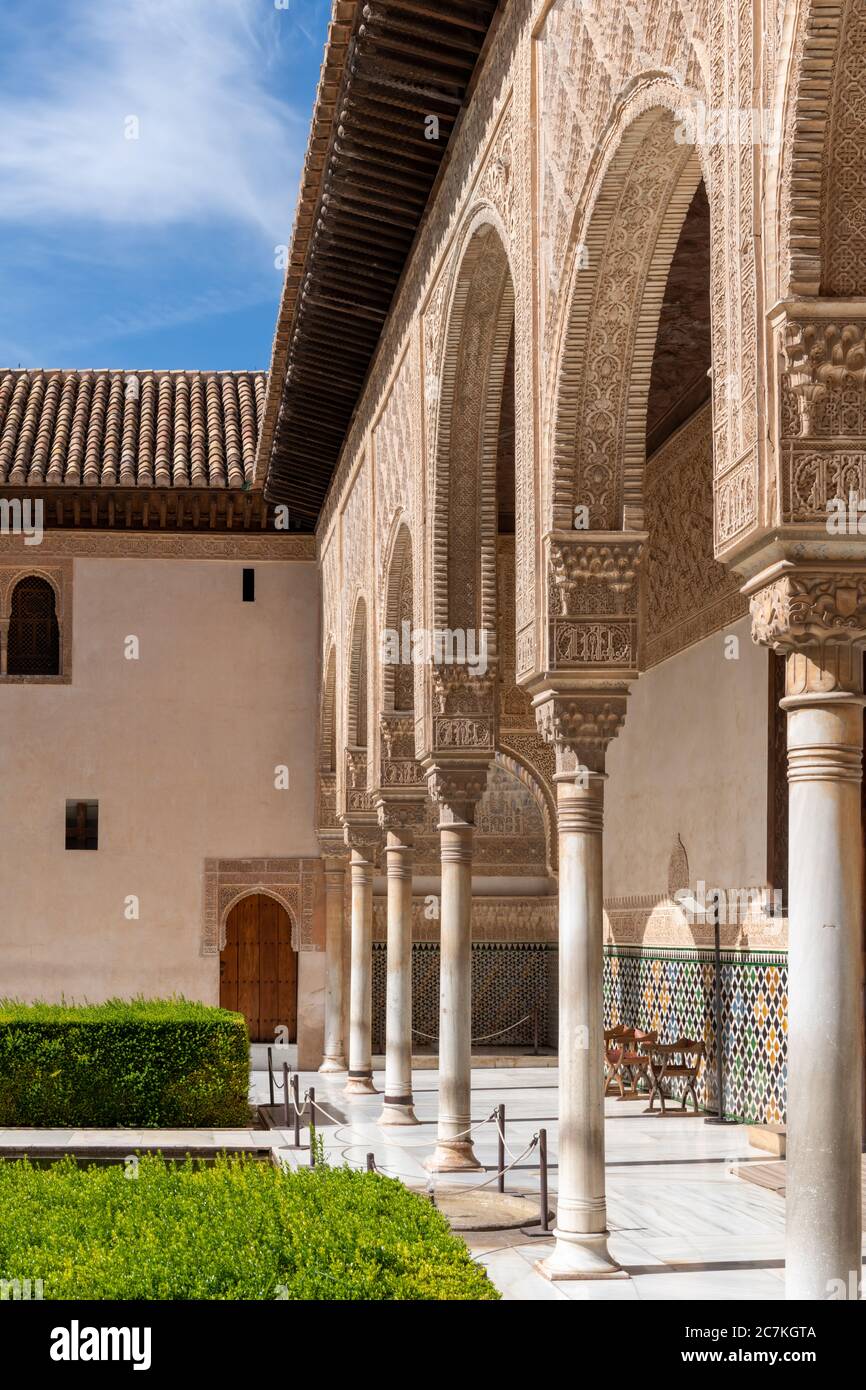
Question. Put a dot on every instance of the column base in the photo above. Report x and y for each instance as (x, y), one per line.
(333, 1064)
(397, 1112)
(580, 1257)
(453, 1156)
(360, 1084)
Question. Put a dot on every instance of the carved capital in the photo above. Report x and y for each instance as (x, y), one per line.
(585, 565)
(796, 607)
(823, 354)
(363, 838)
(462, 689)
(396, 812)
(458, 789)
(399, 769)
(327, 821)
(356, 796)
(580, 727)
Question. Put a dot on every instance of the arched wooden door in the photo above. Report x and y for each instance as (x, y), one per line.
(259, 969)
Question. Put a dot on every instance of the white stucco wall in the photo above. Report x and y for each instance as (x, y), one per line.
(691, 760)
(179, 748)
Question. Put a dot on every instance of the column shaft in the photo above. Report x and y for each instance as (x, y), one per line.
(453, 1146)
(397, 1106)
(823, 1213)
(361, 986)
(334, 1058)
(581, 1221)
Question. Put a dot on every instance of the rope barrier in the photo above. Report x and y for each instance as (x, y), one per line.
(500, 1173)
(485, 1037)
(501, 1132)
(386, 1171)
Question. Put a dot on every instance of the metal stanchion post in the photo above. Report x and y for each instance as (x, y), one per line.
(311, 1101)
(542, 1231)
(542, 1166)
(271, 1073)
(297, 1109)
(371, 1163)
(500, 1128)
(286, 1094)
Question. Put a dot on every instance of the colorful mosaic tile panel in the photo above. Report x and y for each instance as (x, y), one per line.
(671, 991)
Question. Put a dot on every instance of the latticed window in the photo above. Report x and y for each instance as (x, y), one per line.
(34, 634)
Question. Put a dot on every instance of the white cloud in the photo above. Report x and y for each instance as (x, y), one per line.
(213, 142)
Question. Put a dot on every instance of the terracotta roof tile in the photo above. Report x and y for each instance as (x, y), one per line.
(129, 429)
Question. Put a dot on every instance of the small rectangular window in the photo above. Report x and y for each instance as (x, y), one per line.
(82, 824)
(249, 586)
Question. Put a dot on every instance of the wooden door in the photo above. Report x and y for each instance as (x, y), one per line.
(258, 968)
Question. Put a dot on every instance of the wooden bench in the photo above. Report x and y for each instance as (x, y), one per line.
(676, 1061)
(621, 1055)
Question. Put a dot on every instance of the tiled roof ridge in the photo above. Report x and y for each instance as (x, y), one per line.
(132, 428)
(134, 371)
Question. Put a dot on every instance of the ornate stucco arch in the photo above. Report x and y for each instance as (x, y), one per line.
(287, 897)
(816, 198)
(623, 242)
(457, 734)
(355, 704)
(356, 666)
(328, 827)
(11, 579)
(542, 795)
(328, 721)
(397, 600)
(471, 374)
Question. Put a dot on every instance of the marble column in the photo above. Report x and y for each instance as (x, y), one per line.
(825, 748)
(398, 1103)
(360, 1080)
(334, 1059)
(454, 1149)
(581, 1232)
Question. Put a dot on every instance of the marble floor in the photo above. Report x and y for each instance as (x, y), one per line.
(682, 1223)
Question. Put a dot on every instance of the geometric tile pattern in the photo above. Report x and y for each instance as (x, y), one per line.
(671, 991)
(510, 979)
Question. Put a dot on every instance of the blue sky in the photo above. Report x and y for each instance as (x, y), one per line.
(149, 168)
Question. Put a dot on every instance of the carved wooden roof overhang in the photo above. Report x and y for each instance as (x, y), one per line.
(389, 66)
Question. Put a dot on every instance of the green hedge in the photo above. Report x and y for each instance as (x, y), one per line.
(235, 1230)
(141, 1062)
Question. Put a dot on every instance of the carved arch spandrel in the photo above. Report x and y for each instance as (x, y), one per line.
(294, 883)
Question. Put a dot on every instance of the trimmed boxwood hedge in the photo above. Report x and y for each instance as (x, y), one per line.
(235, 1230)
(135, 1062)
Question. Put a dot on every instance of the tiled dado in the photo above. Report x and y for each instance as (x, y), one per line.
(512, 982)
(671, 991)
